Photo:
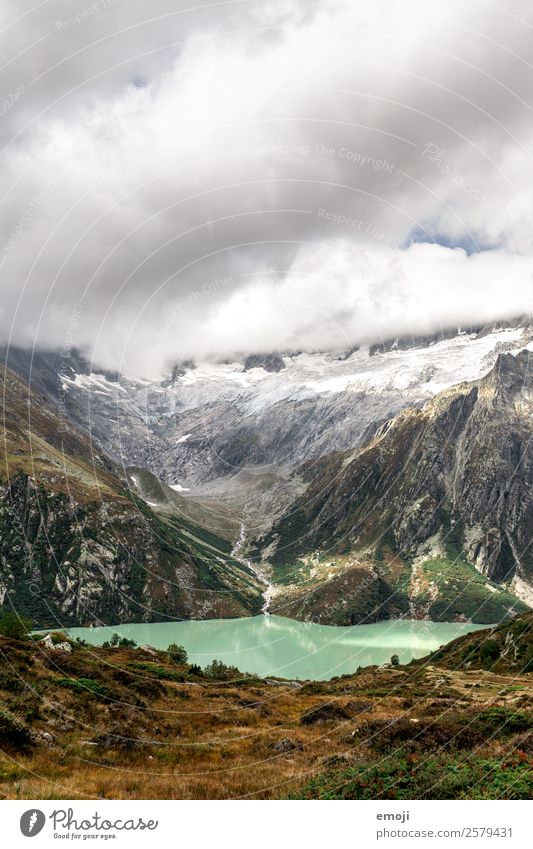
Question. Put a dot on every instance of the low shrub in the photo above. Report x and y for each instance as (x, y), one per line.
(13, 730)
(177, 654)
(159, 671)
(13, 626)
(489, 652)
(84, 685)
(118, 642)
(220, 671)
(439, 777)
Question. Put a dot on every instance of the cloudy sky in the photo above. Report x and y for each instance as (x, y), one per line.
(186, 180)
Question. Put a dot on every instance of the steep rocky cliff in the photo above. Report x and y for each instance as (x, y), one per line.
(438, 490)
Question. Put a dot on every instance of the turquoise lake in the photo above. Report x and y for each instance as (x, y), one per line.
(272, 645)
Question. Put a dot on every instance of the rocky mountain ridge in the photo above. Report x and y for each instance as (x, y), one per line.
(210, 421)
(444, 486)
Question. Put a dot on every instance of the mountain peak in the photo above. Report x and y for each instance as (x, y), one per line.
(512, 372)
(272, 362)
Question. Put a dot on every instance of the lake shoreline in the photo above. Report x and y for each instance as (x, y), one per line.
(273, 646)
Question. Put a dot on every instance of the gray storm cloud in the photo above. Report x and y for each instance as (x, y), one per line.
(258, 175)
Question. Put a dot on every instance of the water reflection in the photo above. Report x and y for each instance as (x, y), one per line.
(272, 645)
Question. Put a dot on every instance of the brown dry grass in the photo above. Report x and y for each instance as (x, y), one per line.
(199, 738)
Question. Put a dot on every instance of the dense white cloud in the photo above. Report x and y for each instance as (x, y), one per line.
(338, 294)
(253, 174)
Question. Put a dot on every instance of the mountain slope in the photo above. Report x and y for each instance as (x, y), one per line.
(506, 649)
(436, 491)
(77, 547)
(381, 482)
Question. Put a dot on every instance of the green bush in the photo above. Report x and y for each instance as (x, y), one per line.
(118, 642)
(13, 626)
(84, 685)
(177, 654)
(395, 660)
(528, 661)
(455, 731)
(503, 721)
(58, 637)
(220, 671)
(160, 671)
(439, 777)
(489, 651)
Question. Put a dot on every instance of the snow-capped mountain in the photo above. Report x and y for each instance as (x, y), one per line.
(214, 420)
(270, 453)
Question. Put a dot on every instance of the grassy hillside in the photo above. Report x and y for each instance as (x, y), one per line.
(131, 723)
(376, 583)
(506, 647)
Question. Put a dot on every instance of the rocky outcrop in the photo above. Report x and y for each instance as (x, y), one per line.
(272, 362)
